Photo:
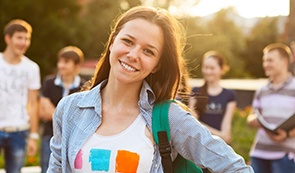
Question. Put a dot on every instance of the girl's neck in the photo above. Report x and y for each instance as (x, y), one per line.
(116, 94)
(214, 88)
(213, 84)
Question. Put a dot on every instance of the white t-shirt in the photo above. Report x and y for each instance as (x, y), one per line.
(127, 152)
(15, 81)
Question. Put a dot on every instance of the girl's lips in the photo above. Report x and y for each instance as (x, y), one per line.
(128, 67)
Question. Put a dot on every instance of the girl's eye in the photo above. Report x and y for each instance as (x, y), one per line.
(127, 41)
(149, 52)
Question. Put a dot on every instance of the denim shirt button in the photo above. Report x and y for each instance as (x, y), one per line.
(156, 165)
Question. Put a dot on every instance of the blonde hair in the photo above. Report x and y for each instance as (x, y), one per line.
(282, 49)
(71, 52)
(17, 25)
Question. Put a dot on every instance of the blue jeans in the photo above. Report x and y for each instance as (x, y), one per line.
(14, 147)
(45, 152)
(283, 165)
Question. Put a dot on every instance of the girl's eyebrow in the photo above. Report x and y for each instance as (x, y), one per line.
(149, 45)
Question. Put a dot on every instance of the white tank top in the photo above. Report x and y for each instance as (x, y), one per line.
(127, 152)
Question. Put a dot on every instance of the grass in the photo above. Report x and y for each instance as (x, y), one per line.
(243, 137)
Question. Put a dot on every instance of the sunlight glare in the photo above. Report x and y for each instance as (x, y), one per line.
(261, 8)
(245, 8)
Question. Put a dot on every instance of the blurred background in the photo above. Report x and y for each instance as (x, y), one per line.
(237, 28)
(240, 29)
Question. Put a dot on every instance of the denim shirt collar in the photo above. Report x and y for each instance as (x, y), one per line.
(146, 100)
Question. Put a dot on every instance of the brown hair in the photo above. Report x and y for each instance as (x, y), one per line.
(166, 80)
(17, 25)
(283, 50)
(71, 52)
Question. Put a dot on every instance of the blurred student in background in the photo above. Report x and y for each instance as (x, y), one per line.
(274, 153)
(216, 105)
(19, 85)
(55, 87)
(292, 63)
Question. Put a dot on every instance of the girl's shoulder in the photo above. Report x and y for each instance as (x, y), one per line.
(73, 99)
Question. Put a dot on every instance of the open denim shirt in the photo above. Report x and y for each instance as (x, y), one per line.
(77, 117)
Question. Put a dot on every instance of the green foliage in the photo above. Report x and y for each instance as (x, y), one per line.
(61, 23)
(262, 34)
(55, 24)
(224, 36)
(243, 134)
(100, 14)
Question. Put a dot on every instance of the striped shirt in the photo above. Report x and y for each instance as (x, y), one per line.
(275, 104)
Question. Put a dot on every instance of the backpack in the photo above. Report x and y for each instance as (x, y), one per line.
(161, 134)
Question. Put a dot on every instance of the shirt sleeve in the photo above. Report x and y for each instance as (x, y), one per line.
(34, 77)
(194, 142)
(55, 161)
(232, 96)
(256, 102)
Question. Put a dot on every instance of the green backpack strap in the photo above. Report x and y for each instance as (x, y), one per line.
(161, 134)
(160, 120)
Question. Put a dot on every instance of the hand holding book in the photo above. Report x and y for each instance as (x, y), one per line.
(286, 125)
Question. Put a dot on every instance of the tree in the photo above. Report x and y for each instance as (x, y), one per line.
(54, 25)
(61, 23)
(262, 34)
(291, 24)
(221, 34)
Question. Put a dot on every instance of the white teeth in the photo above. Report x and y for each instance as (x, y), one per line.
(127, 67)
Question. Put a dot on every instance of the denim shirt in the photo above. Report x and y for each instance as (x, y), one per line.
(78, 115)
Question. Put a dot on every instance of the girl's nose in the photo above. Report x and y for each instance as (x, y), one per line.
(134, 54)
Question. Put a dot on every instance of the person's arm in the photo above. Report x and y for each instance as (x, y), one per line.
(46, 108)
(33, 110)
(191, 104)
(291, 133)
(252, 119)
(281, 135)
(194, 142)
(55, 161)
(226, 124)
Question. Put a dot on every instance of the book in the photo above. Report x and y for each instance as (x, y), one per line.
(272, 127)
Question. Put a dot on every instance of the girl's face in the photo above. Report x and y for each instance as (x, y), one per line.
(211, 69)
(136, 51)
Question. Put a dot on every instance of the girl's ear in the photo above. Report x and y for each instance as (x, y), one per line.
(157, 68)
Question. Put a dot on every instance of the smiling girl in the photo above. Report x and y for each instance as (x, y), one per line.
(107, 128)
